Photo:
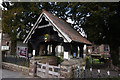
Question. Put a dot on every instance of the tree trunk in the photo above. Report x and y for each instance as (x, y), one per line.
(13, 48)
(114, 51)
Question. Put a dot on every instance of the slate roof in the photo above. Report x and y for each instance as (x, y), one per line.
(67, 29)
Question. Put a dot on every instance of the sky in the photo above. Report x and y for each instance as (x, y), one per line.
(1, 3)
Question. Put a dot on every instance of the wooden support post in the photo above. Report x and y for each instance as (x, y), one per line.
(78, 55)
(46, 49)
(47, 70)
(53, 49)
(81, 51)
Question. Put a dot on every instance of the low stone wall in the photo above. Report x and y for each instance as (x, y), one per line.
(15, 67)
(67, 67)
(52, 60)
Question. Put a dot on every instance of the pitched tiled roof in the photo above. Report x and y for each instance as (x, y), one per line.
(67, 29)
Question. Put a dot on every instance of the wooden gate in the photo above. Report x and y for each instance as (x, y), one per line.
(48, 71)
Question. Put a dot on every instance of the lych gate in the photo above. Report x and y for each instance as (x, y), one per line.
(50, 31)
(51, 34)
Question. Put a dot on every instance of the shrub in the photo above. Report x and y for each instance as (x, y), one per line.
(59, 60)
(88, 61)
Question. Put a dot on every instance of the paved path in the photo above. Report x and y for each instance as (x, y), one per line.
(12, 74)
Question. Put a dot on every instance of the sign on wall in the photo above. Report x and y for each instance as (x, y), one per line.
(22, 51)
(3, 48)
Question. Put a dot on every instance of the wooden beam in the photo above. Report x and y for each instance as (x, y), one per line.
(44, 26)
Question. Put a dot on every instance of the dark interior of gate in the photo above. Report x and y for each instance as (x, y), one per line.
(45, 40)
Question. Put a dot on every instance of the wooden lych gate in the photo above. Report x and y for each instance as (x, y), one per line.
(47, 71)
(52, 36)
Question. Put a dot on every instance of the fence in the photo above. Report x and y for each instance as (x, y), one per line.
(22, 61)
(94, 73)
(48, 71)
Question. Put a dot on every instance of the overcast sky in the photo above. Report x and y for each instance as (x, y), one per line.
(0, 3)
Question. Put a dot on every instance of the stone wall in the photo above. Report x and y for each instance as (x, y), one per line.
(15, 67)
(52, 60)
(67, 66)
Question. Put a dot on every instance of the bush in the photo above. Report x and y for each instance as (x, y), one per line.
(59, 60)
(88, 61)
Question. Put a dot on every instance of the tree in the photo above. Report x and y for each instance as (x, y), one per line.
(19, 18)
(100, 22)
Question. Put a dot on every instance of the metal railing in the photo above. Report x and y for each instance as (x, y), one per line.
(94, 73)
(22, 61)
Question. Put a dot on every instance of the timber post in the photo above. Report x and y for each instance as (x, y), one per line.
(47, 70)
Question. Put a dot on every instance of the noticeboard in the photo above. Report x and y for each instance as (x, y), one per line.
(22, 51)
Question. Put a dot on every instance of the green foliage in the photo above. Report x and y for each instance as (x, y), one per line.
(15, 20)
(88, 61)
(62, 54)
(100, 21)
(92, 62)
(59, 60)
